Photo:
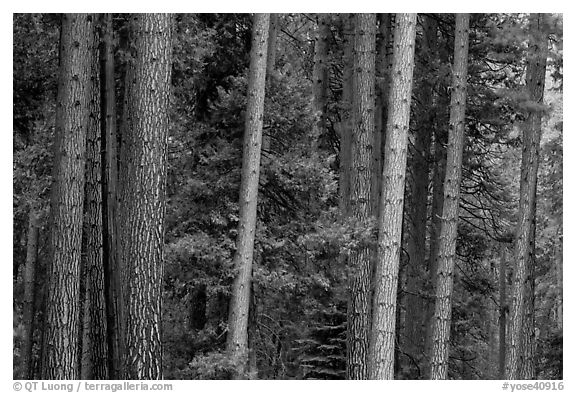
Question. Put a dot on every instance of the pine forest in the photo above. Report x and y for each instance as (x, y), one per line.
(287, 196)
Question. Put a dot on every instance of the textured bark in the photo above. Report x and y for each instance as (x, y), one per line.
(94, 361)
(361, 206)
(320, 78)
(29, 295)
(62, 326)
(439, 145)
(237, 339)
(142, 189)
(535, 79)
(449, 226)
(417, 203)
(109, 179)
(392, 200)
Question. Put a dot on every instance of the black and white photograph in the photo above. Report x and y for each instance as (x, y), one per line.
(287, 196)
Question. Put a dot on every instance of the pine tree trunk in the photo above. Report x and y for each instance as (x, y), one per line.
(62, 325)
(361, 205)
(320, 78)
(237, 339)
(535, 79)
(142, 189)
(449, 226)
(417, 204)
(29, 294)
(392, 199)
(439, 145)
(94, 362)
(109, 177)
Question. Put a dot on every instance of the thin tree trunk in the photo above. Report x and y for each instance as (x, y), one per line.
(29, 294)
(535, 79)
(94, 361)
(361, 205)
(109, 177)
(449, 227)
(392, 200)
(60, 342)
(237, 340)
(320, 79)
(142, 189)
(503, 311)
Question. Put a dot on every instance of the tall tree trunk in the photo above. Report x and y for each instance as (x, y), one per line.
(29, 294)
(392, 199)
(60, 343)
(109, 179)
(320, 78)
(361, 206)
(449, 226)
(416, 206)
(94, 362)
(142, 189)
(439, 145)
(535, 79)
(237, 339)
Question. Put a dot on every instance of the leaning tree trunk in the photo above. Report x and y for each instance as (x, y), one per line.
(62, 325)
(535, 79)
(449, 226)
(142, 189)
(237, 340)
(381, 356)
(29, 294)
(94, 361)
(109, 177)
(361, 206)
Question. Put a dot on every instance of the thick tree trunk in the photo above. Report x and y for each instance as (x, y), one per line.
(29, 294)
(142, 189)
(60, 342)
(361, 206)
(449, 227)
(237, 339)
(417, 204)
(94, 361)
(320, 79)
(535, 79)
(392, 199)
(109, 179)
